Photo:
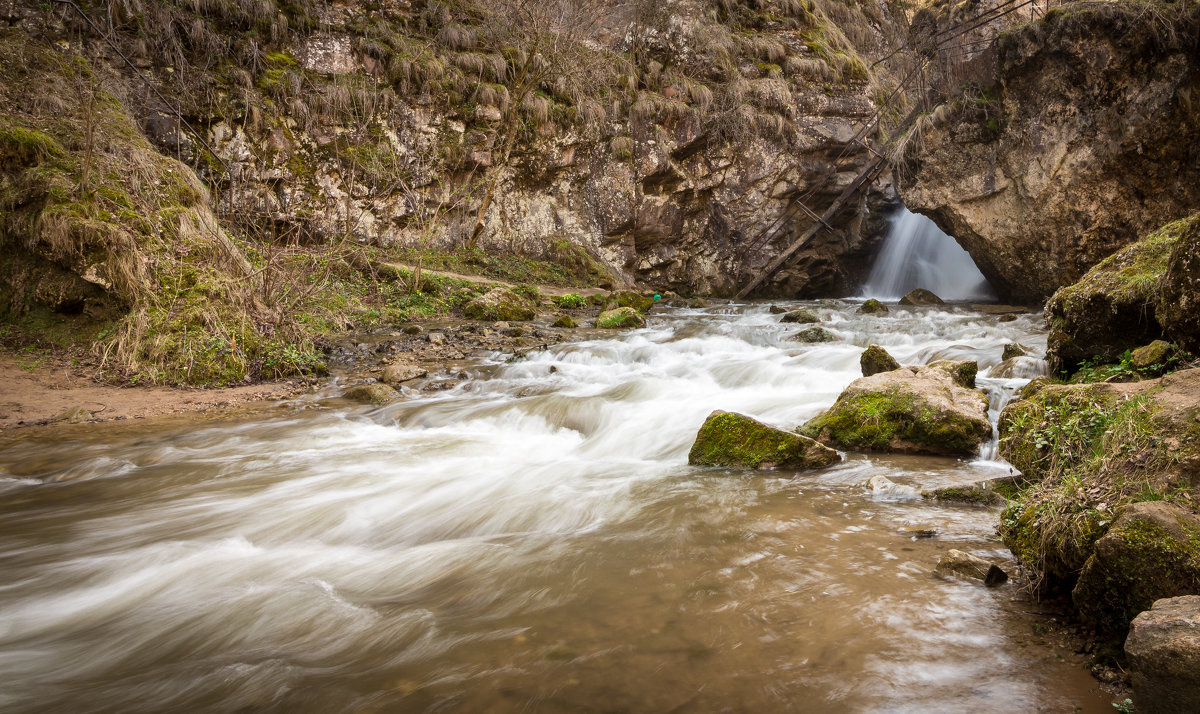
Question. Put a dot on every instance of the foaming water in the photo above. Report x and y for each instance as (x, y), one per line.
(917, 254)
(531, 541)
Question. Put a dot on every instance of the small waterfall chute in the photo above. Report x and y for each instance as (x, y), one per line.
(917, 254)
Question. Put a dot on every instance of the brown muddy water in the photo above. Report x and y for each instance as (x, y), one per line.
(531, 541)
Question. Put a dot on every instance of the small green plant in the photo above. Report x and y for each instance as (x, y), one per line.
(570, 301)
(1125, 707)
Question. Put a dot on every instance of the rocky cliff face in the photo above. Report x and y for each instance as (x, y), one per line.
(661, 140)
(1072, 137)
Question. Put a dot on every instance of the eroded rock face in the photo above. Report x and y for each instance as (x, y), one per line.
(1178, 308)
(1164, 654)
(1079, 135)
(921, 410)
(728, 439)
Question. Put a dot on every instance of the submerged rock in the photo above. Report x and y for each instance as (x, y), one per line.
(800, 316)
(813, 334)
(729, 439)
(920, 410)
(1163, 648)
(921, 296)
(499, 304)
(875, 359)
(1152, 551)
(956, 563)
(971, 494)
(872, 307)
(371, 394)
(622, 318)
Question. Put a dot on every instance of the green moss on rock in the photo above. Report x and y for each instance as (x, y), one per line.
(729, 439)
(499, 305)
(876, 359)
(563, 321)
(800, 316)
(813, 334)
(1178, 309)
(873, 307)
(628, 298)
(621, 318)
(1152, 551)
(374, 393)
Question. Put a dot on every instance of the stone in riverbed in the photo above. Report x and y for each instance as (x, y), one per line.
(921, 296)
(956, 563)
(729, 439)
(813, 334)
(917, 410)
(563, 321)
(875, 359)
(873, 307)
(622, 318)
(1164, 655)
(398, 372)
(628, 298)
(1013, 349)
(374, 393)
(777, 310)
(800, 316)
(970, 494)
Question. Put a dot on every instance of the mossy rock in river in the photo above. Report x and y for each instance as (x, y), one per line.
(1013, 349)
(563, 321)
(1152, 551)
(374, 393)
(729, 439)
(921, 296)
(499, 305)
(622, 318)
(813, 334)
(875, 359)
(919, 410)
(800, 316)
(873, 307)
(1178, 308)
(963, 372)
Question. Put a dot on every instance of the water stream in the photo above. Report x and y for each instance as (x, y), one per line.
(917, 254)
(533, 540)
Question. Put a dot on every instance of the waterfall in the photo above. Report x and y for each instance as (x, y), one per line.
(917, 254)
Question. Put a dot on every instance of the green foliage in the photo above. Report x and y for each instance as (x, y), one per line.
(570, 301)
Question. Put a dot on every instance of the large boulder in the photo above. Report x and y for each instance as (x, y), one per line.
(1152, 551)
(920, 410)
(499, 305)
(729, 439)
(1163, 648)
(622, 318)
(921, 296)
(875, 359)
(1178, 308)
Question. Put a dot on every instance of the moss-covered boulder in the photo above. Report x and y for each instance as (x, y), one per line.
(1111, 308)
(800, 316)
(875, 359)
(777, 310)
(1178, 309)
(961, 371)
(499, 305)
(813, 334)
(1152, 551)
(374, 393)
(729, 439)
(873, 307)
(564, 321)
(1148, 357)
(921, 296)
(621, 318)
(975, 494)
(920, 410)
(628, 298)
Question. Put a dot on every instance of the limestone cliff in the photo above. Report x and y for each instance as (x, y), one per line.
(1072, 136)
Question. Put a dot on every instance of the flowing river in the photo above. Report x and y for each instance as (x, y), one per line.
(530, 541)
